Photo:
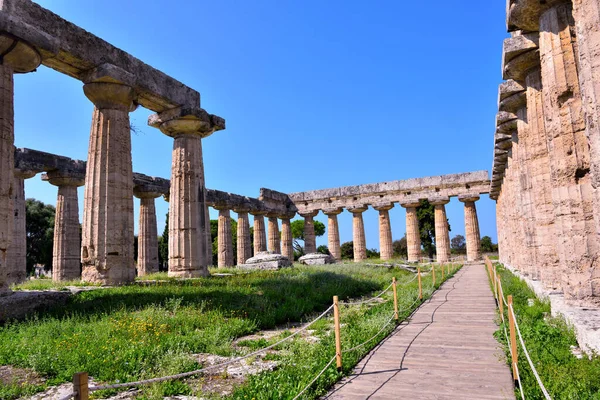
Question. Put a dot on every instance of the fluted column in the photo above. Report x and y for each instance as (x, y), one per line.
(66, 256)
(260, 236)
(190, 251)
(224, 245)
(17, 56)
(17, 252)
(244, 247)
(310, 240)
(442, 237)
(333, 232)
(287, 241)
(413, 235)
(147, 262)
(472, 227)
(274, 238)
(358, 233)
(107, 248)
(385, 231)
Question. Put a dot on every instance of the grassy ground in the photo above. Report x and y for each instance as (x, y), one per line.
(142, 331)
(549, 342)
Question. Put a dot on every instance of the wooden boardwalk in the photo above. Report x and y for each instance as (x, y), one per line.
(446, 351)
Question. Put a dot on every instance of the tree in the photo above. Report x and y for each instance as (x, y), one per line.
(487, 246)
(39, 223)
(400, 247)
(426, 217)
(297, 228)
(373, 253)
(163, 248)
(347, 250)
(323, 249)
(458, 244)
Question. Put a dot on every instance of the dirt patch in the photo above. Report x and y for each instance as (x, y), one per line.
(19, 376)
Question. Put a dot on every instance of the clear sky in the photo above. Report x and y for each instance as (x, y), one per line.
(316, 94)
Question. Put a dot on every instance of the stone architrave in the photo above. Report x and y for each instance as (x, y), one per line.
(244, 246)
(358, 233)
(190, 251)
(310, 240)
(260, 236)
(471, 227)
(442, 237)
(333, 232)
(107, 245)
(287, 240)
(274, 238)
(66, 257)
(147, 262)
(413, 235)
(17, 252)
(224, 245)
(17, 57)
(385, 231)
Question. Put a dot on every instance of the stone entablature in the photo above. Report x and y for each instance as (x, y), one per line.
(409, 190)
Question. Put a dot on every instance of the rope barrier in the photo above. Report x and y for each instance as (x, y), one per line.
(373, 337)
(533, 369)
(315, 379)
(372, 299)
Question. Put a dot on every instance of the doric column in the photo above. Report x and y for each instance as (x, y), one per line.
(358, 233)
(471, 227)
(244, 247)
(442, 238)
(333, 232)
(274, 238)
(66, 256)
(310, 240)
(17, 56)
(17, 252)
(260, 236)
(147, 262)
(413, 235)
(287, 241)
(385, 231)
(107, 245)
(224, 245)
(190, 251)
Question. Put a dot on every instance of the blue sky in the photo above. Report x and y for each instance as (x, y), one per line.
(316, 94)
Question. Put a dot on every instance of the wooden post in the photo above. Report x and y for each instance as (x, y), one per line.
(395, 299)
(442, 268)
(513, 337)
(500, 297)
(80, 386)
(338, 341)
(420, 287)
(433, 273)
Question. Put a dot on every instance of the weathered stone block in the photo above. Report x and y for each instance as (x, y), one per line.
(316, 259)
(267, 261)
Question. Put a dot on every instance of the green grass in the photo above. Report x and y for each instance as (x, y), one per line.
(548, 341)
(135, 332)
(48, 284)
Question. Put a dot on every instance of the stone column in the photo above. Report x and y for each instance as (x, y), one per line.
(107, 245)
(572, 192)
(274, 238)
(66, 256)
(358, 233)
(471, 227)
(310, 240)
(442, 238)
(333, 232)
(385, 231)
(189, 222)
(287, 241)
(244, 247)
(413, 235)
(18, 57)
(225, 247)
(260, 236)
(147, 262)
(17, 252)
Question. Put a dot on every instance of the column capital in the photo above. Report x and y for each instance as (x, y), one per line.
(240, 209)
(186, 121)
(143, 194)
(525, 14)
(286, 215)
(258, 213)
(221, 207)
(18, 54)
(439, 201)
(110, 96)
(308, 214)
(410, 203)
(358, 209)
(468, 198)
(383, 206)
(24, 174)
(62, 178)
(333, 211)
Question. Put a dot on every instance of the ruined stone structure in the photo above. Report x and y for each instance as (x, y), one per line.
(546, 158)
